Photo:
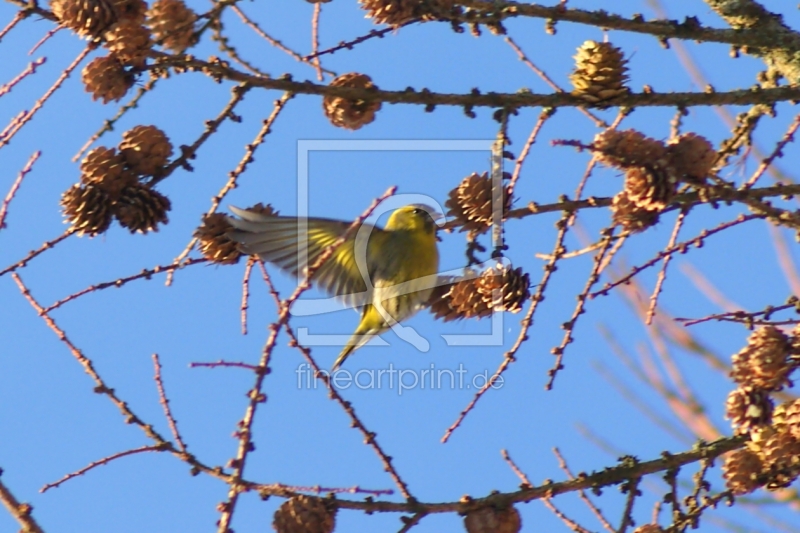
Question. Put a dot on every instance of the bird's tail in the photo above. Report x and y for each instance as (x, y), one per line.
(342, 356)
(361, 337)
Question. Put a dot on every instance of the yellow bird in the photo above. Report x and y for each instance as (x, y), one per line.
(388, 272)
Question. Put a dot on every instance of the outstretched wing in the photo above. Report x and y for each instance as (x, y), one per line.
(276, 239)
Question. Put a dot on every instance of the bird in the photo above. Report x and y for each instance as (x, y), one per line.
(389, 273)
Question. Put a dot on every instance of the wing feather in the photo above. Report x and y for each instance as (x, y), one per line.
(275, 239)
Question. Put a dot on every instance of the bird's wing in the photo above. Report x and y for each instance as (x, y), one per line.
(275, 239)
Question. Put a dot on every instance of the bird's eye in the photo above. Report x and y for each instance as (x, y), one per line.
(417, 211)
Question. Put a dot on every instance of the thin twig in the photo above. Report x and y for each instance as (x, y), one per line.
(678, 248)
(147, 273)
(33, 253)
(315, 40)
(246, 291)
(30, 69)
(221, 363)
(19, 17)
(233, 176)
(15, 186)
(164, 401)
(18, 124)
(275, 42)
(101, 462)
(562, 463)
(662, 273)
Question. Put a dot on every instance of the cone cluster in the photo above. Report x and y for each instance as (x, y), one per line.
(771, 458)
(304, 514)
(398, 12)
(351, 114)
(110, 187)
(493, 520)
(213, 238)
(470, 204)
(653, 171)
(600, 72)
(501, 288)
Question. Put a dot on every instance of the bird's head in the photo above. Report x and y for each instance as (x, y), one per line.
(414, 217)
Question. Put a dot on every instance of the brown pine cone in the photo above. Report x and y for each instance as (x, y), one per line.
(87, 208)
(627, 148)
(742, 470)
(398, 12)
(748, 408)
(87, 18)
(631, 217)
(599, 72)
(458, 300)
(172, 23)
(792, 418)
(106, 79)
(692, 156)
(650, 188)
(347, 113)
(470, 204)
(133, 10)
(129, 42)
(142, 209)
(146, 149)
(304, 514)
(105, 168)
(649, 528)
(512, 286)
(780, 454)
(764, 362)
(213, 241)
(493, 520)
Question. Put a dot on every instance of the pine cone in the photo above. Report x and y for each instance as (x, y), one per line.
(631, 217)
(513, 288)
(493, 520)
(213, 241)
(692, 156)
(781, 451)
(133, 10)
(466, 302)
(105, 168)
(627, 148)
(304, 514)
(398, 12)
(87, 18)
(649, 528)
(146, 149)
(650, 188)
(470, 204)
(129, 42)
(87, 208)
(350, 114)
(599, 72)
(792, 418)
(172, 24)
(142, 209)
(764, 362)
(106, 79)
(741, 470)
(748, 408)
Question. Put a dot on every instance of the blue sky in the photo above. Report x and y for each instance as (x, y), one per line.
(51, 422)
